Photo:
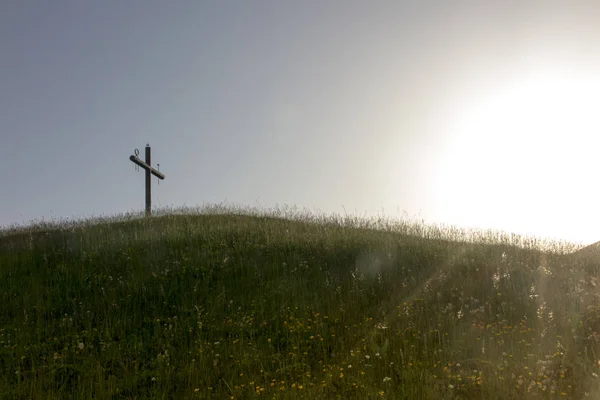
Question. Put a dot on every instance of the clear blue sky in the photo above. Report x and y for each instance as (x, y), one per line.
(318, 104)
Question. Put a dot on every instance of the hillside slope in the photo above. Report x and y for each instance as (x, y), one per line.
(220, 306)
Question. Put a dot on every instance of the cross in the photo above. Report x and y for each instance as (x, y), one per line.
(149, 172)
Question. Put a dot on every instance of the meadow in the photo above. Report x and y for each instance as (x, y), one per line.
(228, 303)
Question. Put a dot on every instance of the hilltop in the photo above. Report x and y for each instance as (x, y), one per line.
(234, 304)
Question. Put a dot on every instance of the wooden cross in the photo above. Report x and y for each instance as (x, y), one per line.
(149, 172)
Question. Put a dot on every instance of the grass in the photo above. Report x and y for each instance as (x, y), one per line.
(228, 303)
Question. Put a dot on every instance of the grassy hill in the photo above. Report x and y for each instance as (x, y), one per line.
(243, 305)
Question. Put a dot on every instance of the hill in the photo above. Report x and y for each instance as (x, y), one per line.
(235, 306)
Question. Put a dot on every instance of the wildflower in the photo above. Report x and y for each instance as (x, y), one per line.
(80, 346)
(386, 379)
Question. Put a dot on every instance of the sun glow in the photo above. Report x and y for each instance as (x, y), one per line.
(523, 158)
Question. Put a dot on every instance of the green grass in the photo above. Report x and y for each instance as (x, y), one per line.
(229, 303)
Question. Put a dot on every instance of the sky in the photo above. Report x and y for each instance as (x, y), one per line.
(479, 114)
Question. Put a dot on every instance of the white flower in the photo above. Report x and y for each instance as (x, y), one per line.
(80, 346)
(386, 379)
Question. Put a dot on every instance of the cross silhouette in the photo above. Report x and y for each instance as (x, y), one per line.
(149, 172)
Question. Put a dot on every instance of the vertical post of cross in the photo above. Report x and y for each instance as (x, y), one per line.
(148, 182)
(147, 165)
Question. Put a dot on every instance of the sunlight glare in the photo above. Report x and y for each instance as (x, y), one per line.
(523, 159)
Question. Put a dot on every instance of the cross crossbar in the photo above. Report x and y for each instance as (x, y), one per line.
(142, 164)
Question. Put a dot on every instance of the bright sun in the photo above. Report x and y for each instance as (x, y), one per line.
(524, 158)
